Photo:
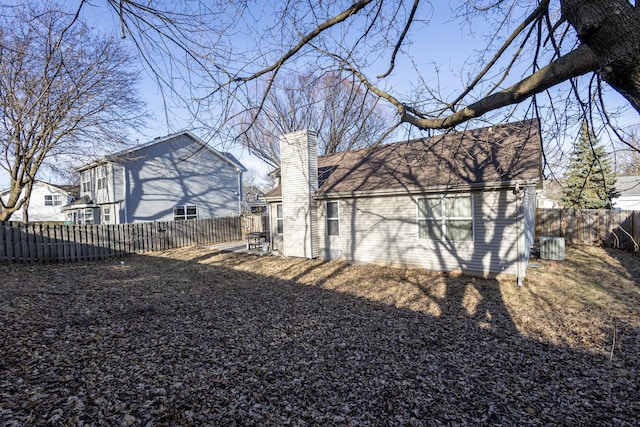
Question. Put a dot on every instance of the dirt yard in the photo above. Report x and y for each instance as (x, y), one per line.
(196, 337)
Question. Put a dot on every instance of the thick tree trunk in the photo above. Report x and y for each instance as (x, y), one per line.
(611, 29)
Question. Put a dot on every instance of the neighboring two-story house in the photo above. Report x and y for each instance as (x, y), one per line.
(45, 203)
(176, 177)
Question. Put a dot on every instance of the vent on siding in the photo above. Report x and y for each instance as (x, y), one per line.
(552, 248)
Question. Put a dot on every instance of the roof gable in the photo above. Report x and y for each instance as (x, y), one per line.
(130, 153)
(54, 188)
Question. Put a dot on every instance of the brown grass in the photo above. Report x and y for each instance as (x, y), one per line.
(581, 302)
(201, 337)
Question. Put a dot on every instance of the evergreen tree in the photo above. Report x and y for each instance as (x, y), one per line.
(590, 181)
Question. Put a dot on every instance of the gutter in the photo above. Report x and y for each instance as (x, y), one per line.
(502, 185)
(435, 189)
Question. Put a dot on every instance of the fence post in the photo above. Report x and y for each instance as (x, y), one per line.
(3, 251)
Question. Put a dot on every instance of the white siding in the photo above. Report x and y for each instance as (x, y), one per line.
(38, 211)
(299, 164)
(106, 194)
(631, 203)
(277, 243)
(384, 230)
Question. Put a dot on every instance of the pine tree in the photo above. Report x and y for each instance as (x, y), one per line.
(590, 181)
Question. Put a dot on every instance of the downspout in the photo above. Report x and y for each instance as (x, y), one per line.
(125, 185)
(519, 236)
(239, 190)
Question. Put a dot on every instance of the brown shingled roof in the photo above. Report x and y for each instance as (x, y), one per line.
(488, 156)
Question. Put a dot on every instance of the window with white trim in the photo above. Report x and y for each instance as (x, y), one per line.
(53, 200)
(182, 212)
(102, 178)
(106, 214)
(279, 219)
(85, 181)
(85, 216)
(333, 219)
(446, 218)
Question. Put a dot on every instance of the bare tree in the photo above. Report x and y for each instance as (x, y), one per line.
(628, 156)
(64, 93)
(533, 50)
(344, 113)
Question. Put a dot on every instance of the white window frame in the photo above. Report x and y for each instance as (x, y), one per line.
(184, 212)
(333, 219)
(106, 215)
(441, 220)
(85, 181)
(279, 219)
(53, 200)
(102, 178)
(85, 216)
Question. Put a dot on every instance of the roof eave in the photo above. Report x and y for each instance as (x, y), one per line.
(487, 186)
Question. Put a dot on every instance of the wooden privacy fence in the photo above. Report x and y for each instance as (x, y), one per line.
(69, 243)
(592, 227)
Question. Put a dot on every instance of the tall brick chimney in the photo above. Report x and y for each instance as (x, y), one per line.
(299, 181)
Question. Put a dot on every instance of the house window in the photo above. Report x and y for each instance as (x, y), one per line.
(102, 177)
(333, 219)
(52, 200)
(183, 212)
(279, 219)
(106, 214)
(85, 216)
(85, 179)
(447, 218)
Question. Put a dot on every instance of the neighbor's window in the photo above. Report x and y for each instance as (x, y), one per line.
(102, 177)
(192, 211)
(183, 212)
(279, 219)
(88, 216)
(446, 218)
(106, 214)
(85, 179)
(333, 219)
(52, 200)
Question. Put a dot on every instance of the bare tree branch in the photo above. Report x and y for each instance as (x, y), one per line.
(62, 91)
(392, 61)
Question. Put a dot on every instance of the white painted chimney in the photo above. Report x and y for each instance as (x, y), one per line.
(299, 181)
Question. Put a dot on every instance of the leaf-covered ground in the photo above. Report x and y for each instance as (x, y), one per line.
(199, 337)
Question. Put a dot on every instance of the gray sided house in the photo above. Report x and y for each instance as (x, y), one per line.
(455, 202)
(171, 178)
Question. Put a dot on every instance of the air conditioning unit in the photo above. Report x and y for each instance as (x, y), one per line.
(552, 248)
